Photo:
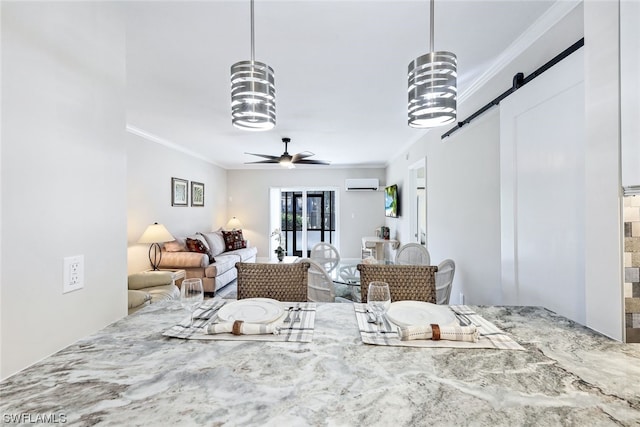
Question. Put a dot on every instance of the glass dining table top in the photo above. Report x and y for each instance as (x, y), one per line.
(346, 272)
(346, 278)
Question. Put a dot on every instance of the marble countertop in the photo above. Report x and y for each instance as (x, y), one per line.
(129, 374)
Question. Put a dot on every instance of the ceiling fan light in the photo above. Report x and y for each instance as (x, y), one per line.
(287, 163)
(286, 160)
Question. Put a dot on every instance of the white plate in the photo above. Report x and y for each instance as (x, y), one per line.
(408, 313)
(251, 310)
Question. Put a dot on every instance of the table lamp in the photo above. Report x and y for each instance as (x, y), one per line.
(234, 224)
(155, 234)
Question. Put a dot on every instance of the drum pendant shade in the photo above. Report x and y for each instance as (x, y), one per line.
(253, 92)
(432, 91)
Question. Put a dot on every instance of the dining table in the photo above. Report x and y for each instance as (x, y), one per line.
(346, 277)
(131, 373)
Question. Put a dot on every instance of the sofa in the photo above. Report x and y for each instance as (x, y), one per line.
(210, 256)
(148, 287)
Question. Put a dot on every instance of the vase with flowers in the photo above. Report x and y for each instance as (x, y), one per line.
(279, 250)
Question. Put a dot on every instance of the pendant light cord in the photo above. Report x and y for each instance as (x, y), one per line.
(431, 27)
(253, 36)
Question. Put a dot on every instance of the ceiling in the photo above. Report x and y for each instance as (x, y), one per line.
(340, 68)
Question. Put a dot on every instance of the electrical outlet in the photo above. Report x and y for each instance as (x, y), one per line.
(461, 298)
(73, 273)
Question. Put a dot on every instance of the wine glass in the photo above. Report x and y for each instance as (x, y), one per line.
(378, 301)
(191, 295)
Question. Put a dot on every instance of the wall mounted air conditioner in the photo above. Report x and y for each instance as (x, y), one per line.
(362, 184)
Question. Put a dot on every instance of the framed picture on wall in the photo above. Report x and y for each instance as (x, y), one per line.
(179, 189)
(197, 193)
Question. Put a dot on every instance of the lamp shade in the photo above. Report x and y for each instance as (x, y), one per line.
(233, 224)
(156, 233)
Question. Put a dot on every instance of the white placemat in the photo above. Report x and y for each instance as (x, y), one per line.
(490, 335)
(299, 331)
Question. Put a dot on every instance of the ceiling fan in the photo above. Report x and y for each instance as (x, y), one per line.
(287, 160)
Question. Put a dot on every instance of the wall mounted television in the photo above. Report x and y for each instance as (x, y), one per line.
(391, 201)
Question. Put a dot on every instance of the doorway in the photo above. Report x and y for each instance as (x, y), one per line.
(317, 208)
(418, 202)
(305, 216)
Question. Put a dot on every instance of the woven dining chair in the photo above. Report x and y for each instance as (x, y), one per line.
(444, 280)
(413, 254)
(406, 282)
(282, 282)
(320, 287)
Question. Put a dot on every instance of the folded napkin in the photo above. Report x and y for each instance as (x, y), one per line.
(436, 332)
(239, 327)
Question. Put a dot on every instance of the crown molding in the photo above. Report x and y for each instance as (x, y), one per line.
(158, 140)
(542, 25)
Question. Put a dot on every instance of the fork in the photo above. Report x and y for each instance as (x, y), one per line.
(462, 319)
(288, 318)
(296, 318)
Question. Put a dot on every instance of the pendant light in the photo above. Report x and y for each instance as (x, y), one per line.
(432, 87)
(253, 92)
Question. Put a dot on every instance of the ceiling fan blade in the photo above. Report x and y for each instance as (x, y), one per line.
(303, 155)
(266, 156)
(263, 161)
(312, 162)
(285, 159)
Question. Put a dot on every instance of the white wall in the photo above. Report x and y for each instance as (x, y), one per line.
(360, 212)
(63, 174)
(630, 90)
(150, 167)
(1, 209)
(463, 206)
(604, 229)
(463, 212)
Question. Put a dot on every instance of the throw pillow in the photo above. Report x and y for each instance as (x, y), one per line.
(233, 240)
(196, 245)
(215, 241)
(175, 246)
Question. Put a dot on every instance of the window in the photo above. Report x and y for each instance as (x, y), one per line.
(318, 208)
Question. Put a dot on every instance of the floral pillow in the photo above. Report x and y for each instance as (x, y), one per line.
(196, 245)
(233, 240)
